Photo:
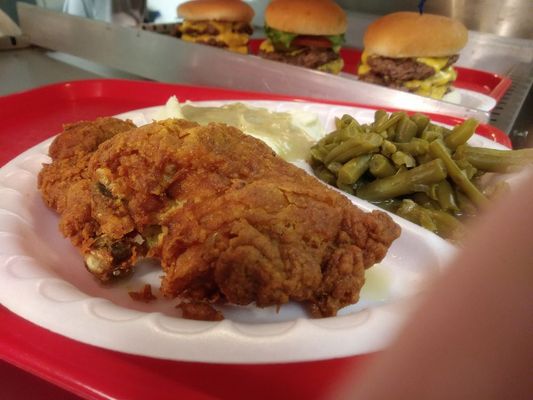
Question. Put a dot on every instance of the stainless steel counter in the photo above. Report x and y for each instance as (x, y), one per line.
(28, 68)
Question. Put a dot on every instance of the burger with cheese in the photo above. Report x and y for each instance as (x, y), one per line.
(413, 52)
(307, 33)
(219, 23)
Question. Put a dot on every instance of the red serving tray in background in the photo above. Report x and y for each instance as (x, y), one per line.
(30, 117)
(492, 85)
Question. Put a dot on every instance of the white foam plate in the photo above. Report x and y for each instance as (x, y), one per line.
(42, 279)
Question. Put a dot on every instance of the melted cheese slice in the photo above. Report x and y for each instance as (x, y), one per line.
(434, 86)
(266, 46)
(333, 67)
(236, 42)
(437, 63)
(363, 68)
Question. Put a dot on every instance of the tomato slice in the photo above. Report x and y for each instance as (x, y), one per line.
(311, 41)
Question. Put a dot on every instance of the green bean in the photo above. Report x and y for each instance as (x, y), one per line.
(403, 183)
(391, 133)
(431, 191)
(346, 188)
(405, 130)
(334, 167)
(416, 214)
(389, 204)
(346, 121)
(438, 149)
(437, 128)
(381, 167)
(339, 136)
(384, 124)
(467, 168)
(415, 147)
(380, 117)
(361, 144)
(401, 158)
(424, 158)
(424, 200)
(388, 148)
(318, 153)
(446, 196)
(328, 140)
(401, 169)
(421, 122)
(492, 160)
(437, 221)
(430, 135)
(350, 172)
(325, 175)
(445, 132)
(461, 133)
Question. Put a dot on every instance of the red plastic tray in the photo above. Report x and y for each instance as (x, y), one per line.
(483, 82)
(31, 117)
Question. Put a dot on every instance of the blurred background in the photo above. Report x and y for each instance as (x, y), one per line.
(510, 18)
(504, 39)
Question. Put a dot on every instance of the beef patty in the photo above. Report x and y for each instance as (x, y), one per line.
(309, 57)
(394, 71)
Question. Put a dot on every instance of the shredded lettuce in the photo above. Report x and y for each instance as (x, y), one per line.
(280, 38)
(337, 41)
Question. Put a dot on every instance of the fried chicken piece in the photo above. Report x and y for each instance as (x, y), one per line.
(228, 219)
(70, 152)
(85, 136)
(145, 294)
(201, 311)
(65, 187)
(235, 222)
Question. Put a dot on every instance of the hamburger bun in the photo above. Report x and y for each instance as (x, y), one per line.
(410, 34)
(306, 17)
(216, 10)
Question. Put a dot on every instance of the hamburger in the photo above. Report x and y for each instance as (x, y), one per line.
(413, 52)
(219, 23)
(307, 33)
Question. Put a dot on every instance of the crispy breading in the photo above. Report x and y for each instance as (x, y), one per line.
(228, 219)
(70, 152)
(85, 136)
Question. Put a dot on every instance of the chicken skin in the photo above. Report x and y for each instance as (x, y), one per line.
(228, 219)
(70, 153)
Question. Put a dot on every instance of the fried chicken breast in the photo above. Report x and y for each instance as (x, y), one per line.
(228, 219)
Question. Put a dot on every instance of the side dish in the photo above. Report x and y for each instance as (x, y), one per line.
(421, 171)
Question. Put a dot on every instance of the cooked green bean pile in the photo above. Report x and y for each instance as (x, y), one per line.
(423, 172)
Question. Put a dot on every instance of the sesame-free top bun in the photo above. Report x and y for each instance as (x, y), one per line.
(216, 10)
(410, 34)
(306, 17)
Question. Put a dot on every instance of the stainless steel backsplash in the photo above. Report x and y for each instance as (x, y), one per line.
(511, 18)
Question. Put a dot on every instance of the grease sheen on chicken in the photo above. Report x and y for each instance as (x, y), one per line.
(228, 219)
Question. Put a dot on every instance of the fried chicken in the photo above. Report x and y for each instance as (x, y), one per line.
(228, 219)
(70, 153)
